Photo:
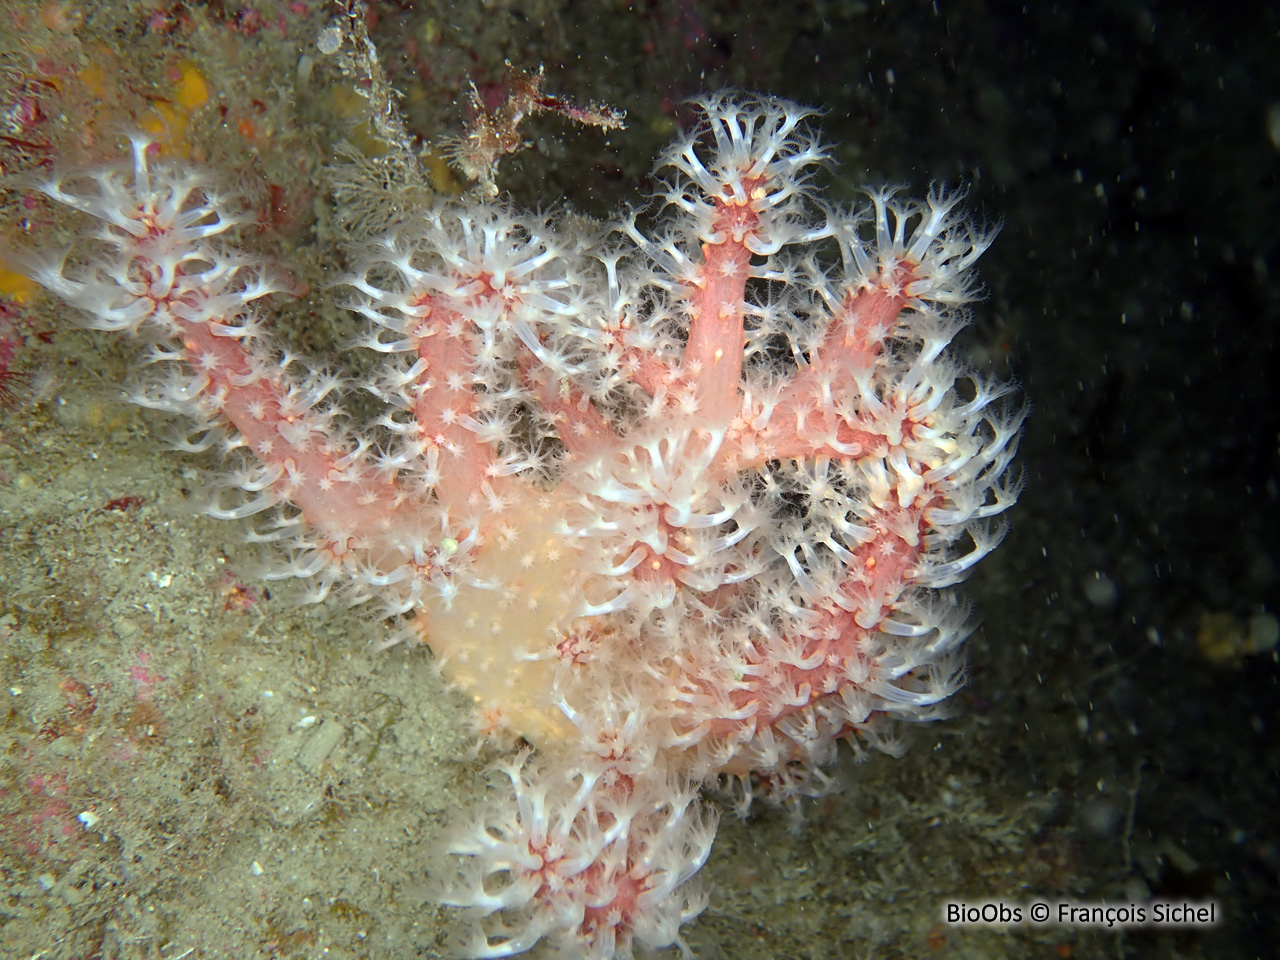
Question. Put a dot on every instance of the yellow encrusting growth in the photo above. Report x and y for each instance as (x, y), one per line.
(94, 79)
(169, 117)
(192, 91)
(16, 286)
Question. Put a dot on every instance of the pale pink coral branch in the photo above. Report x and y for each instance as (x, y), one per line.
(676, 504)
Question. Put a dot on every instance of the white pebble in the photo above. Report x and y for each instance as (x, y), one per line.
(329, 39)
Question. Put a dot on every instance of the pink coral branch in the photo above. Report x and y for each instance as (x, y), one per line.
(674, 508)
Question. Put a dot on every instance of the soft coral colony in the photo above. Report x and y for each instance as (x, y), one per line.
(676, 502)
